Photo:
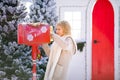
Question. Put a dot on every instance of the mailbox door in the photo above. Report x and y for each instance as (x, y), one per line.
(36, 35)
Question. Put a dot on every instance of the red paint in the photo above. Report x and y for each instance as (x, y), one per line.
(33, 35)
(103, 47)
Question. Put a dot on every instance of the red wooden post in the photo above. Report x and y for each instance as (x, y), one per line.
(34, 57)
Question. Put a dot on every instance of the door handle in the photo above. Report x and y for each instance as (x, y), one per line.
(95, 41)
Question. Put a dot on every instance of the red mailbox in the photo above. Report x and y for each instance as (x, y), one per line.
(33, 34)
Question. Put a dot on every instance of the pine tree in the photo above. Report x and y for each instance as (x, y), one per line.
(43, 11)
(15, 59)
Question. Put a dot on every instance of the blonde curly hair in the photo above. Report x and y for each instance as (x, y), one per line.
(65, 26)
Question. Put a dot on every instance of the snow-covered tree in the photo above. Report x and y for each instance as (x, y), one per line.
(43, 11)
(15, 59)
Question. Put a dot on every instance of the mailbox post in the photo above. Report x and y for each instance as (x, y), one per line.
(33, 35)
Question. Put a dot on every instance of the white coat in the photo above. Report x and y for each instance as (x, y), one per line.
(60, 54)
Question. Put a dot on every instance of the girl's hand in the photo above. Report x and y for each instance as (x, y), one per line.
(51, 33)
(51, 36)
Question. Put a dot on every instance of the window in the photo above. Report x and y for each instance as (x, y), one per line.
(74, 16)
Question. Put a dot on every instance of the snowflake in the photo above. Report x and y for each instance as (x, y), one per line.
(43, 29)
(30, 37)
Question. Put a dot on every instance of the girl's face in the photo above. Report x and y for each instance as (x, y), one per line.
(59, 31)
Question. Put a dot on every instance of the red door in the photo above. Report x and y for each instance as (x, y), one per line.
(103, 41)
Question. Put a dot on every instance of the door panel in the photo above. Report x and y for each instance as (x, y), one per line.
(103, 41)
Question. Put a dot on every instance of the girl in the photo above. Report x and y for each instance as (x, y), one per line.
(60, 52)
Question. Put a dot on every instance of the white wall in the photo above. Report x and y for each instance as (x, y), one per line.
(61, 3)
(73, 2)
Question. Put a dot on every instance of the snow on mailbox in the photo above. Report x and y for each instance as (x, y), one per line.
(33, 34)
